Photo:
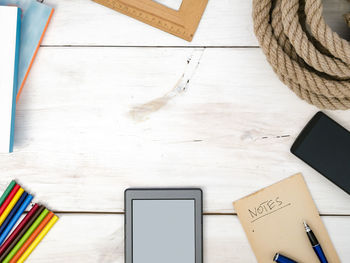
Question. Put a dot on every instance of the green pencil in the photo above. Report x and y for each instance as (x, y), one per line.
(7, 191)
(26, 236)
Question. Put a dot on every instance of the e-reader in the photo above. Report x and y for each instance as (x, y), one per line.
(163, 225)
(325, 146)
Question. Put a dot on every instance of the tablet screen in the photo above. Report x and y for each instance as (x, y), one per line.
(163, 231)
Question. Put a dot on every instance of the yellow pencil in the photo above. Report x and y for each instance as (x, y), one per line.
(11, 205)
(38, 239)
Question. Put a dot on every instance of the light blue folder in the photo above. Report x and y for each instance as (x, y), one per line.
(35, 18)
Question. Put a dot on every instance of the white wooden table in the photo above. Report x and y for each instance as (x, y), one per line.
(107, 106)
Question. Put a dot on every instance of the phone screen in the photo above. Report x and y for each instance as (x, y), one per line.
(325, 146)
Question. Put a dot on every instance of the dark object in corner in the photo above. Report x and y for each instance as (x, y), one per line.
(347, 19)
(325, 146)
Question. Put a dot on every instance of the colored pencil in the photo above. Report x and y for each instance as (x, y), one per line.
(13, 212)
(15, 218)
(26, 236)
(32, 237)
(9, 198)
(38, 239)
(18, 229)
(7, 191)
(14, 238)
(11, 205)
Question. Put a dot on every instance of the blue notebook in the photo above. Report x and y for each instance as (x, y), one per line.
(35, 19)
(10, 31)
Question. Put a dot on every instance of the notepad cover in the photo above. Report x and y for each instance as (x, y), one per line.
(35, 19)
(273, 217)
(10, 24)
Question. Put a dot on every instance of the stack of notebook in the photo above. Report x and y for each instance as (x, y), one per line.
(16, 246)
(23, 24)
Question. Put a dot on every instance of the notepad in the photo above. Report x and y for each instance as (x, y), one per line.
(10, 21)
(35, 19)
(273, 217)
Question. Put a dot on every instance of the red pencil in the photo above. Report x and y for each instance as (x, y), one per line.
(18, 229)
(9, 198)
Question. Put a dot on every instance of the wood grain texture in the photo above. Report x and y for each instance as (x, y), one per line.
(99, 238)
(93, 121)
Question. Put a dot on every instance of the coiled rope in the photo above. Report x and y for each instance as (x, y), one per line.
(306, 54)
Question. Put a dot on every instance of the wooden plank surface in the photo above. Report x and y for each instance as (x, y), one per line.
(107, 106)
(99, 238)
(225, 23)
(93, 121)
(84, 22)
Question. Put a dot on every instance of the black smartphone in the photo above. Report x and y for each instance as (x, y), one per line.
(325, 146)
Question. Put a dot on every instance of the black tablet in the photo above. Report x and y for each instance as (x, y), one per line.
(163, 225)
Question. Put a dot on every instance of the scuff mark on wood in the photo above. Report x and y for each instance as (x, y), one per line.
(275, 137)
(141, 112)
(255, 136)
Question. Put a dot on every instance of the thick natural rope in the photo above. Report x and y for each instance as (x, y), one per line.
(337, 46)
(317, 71)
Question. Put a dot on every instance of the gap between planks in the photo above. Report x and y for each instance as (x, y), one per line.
(133, 46)
(205, 213)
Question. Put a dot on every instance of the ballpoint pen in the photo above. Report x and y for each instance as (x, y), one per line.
(282, 259)
(315, 244)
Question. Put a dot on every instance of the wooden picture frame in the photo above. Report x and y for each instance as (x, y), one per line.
(182, 23)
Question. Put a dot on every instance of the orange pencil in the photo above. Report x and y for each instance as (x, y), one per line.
(32, 237)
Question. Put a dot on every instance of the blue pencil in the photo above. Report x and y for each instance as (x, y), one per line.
(13, 212)
(15, 218)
